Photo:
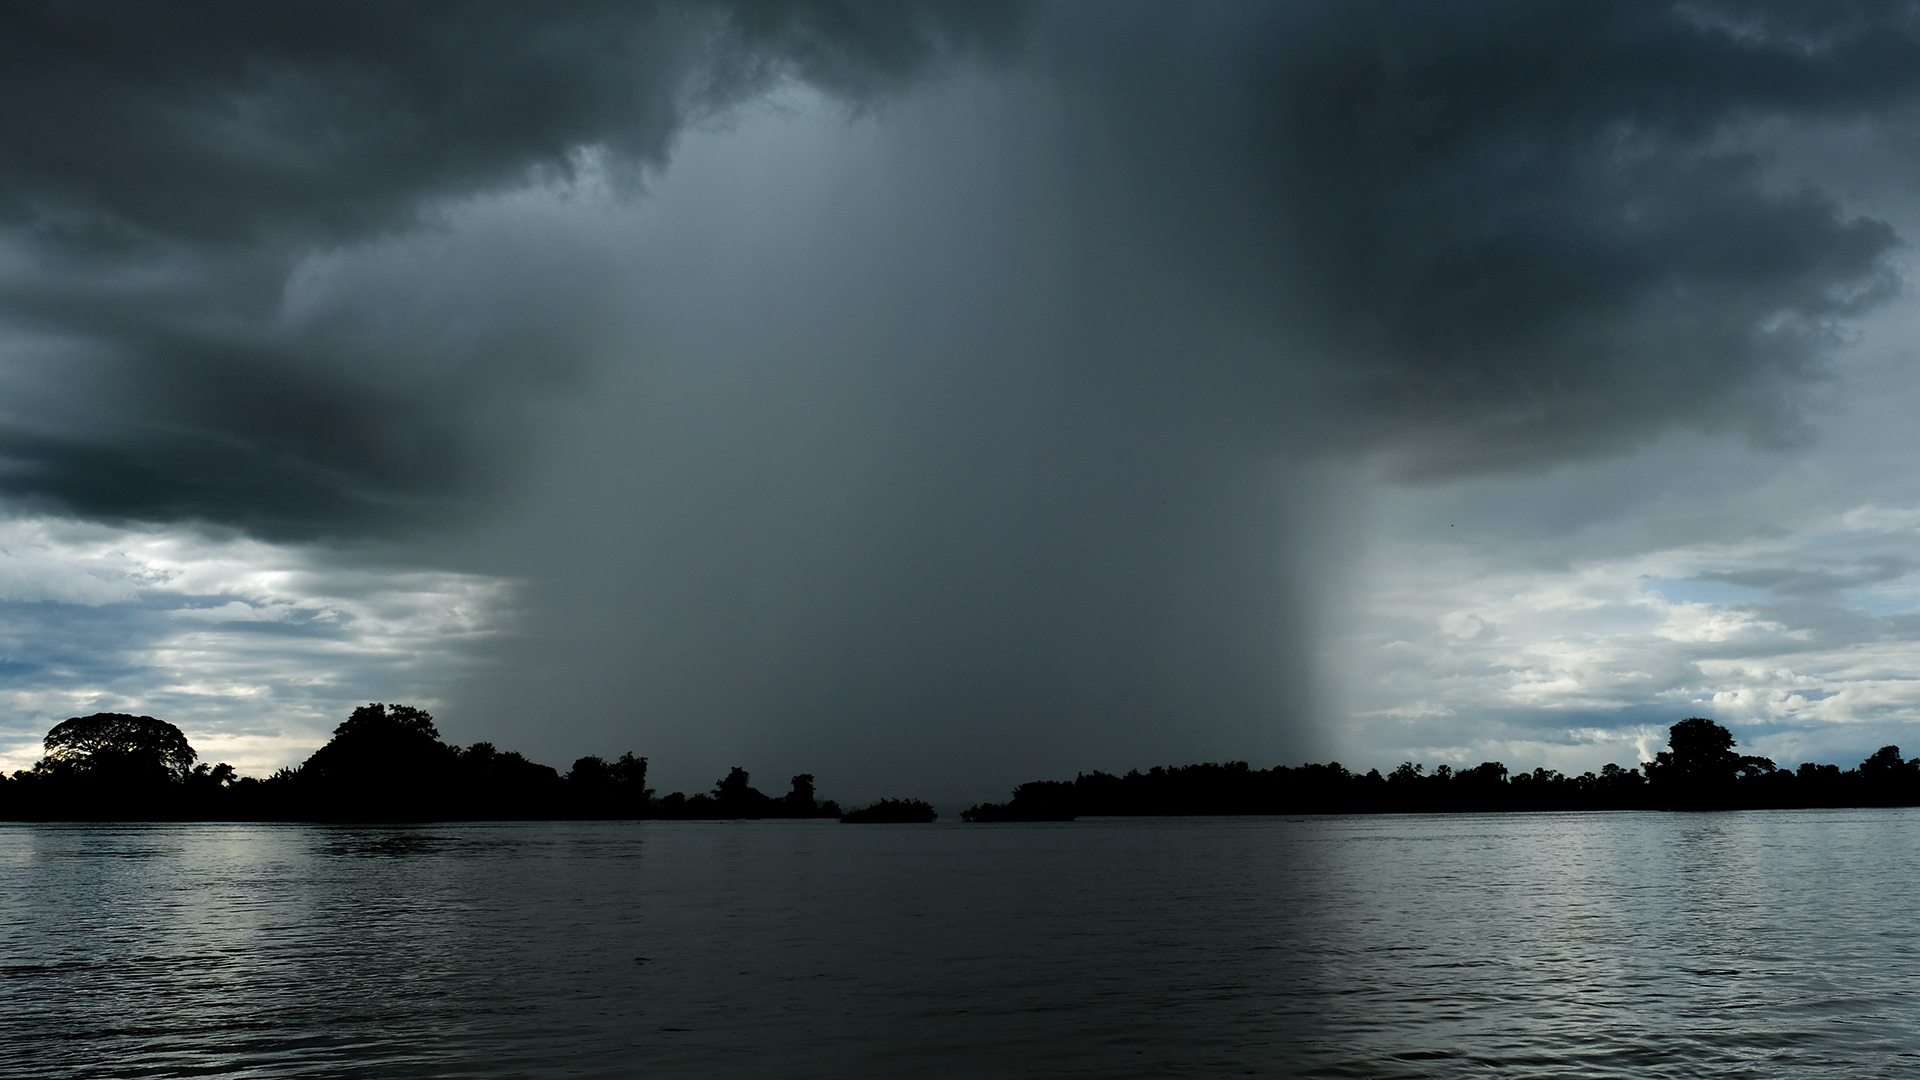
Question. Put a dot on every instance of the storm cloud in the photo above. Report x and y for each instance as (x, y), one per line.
(163, 175)
(926, 381)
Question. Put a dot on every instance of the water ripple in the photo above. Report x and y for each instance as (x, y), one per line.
(1771, 944)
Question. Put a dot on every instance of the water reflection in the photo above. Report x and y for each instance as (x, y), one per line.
(1624, 944)
(415, 841)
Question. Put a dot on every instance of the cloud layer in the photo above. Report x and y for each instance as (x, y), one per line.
(256, 650)
(941, 383)
(1481, 235)
(1570, 616)
(171, 173)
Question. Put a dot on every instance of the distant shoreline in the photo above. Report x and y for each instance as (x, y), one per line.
(1081, 819)
(387, 764)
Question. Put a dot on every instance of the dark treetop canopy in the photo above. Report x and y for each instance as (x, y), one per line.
(120, 743)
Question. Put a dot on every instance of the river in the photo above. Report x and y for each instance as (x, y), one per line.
(1755, 944)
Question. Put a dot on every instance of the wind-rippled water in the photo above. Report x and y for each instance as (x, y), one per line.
(1629, 945)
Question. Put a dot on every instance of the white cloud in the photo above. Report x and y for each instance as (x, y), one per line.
(237, 611)
(256, 650)
(65, 562)
(1805, 640)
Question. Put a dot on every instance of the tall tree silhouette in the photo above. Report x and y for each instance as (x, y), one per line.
(734, 797)
(383, 762)
(1699, 767)
(119, 748)
(1886, 780)
(111, 766)
(1699, 753)
(601, 788)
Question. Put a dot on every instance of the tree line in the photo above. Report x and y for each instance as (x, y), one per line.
(1699, 770)
(388, 763)
(383, 763)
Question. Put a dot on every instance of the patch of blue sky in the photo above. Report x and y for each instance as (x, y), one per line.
(1575, 726)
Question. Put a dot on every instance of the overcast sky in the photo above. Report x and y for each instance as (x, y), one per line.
(938, 396)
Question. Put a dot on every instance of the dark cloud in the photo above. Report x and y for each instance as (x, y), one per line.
(1485, 234)
(1505, 231)
(241, 123)
(162, 173)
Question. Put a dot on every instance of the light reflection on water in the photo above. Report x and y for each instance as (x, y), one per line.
(1630, 945)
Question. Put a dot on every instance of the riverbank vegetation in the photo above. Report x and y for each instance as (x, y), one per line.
(388, 763)
(384, 763)
(893, 812)
(1699, 770)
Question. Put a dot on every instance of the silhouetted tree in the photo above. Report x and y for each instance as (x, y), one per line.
(219, 776)
(610, 789)
(120, 748)
(590, 772)
(1482, 787)
(1886, 780)
(491, 783)
(733, 797)
(116, 766)
(383, 762)
(800, 801)
(1699, 752)
(1819, 785)
(1699, 767)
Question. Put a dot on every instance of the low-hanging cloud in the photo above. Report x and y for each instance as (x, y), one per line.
(163, 173)
(1019, 433)
(1510, 230)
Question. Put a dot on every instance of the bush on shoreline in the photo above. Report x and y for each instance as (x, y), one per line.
(891, 812)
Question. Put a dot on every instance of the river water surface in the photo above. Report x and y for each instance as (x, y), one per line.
(1763, 944)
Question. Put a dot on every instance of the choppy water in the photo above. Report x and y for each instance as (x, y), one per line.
(1630, 945)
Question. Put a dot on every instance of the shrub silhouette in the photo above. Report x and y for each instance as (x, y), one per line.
(734, 796)
(892, 812)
